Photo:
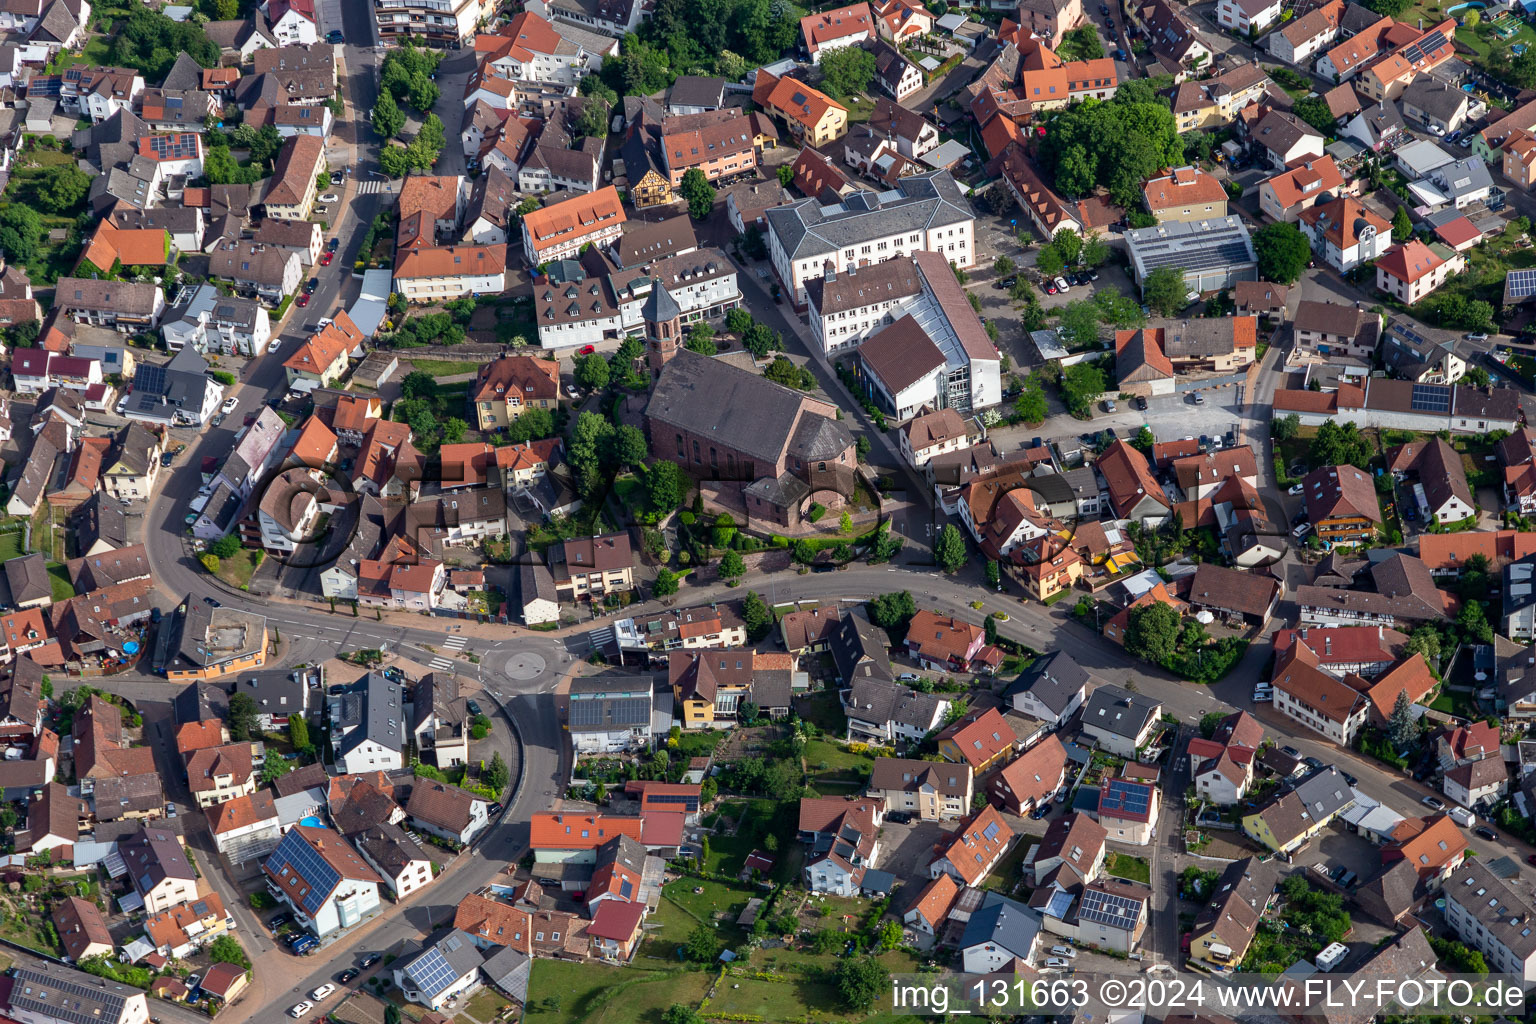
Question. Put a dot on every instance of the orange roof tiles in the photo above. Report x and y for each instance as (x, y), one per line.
(977, 844)
(316, 444)
(836, 24)
(1311, 177)
(573, 217)
(561, 831)
(793, 99)
(1183, 186)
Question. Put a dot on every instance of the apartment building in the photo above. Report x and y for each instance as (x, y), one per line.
(563, 227)
(442, 273)
(593, 566)
(435, 22)
(1332, 330)
(924, 212)
(813, 117)
(1491, 918)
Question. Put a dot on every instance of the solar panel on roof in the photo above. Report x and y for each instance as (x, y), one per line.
(1430, 398)
(1520, 284)
(1107, 908)
(151, 379)
(432, 973)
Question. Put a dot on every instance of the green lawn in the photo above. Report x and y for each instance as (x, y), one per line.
(10, 546)
(823, 756)
(1123, 865)
(58, 578)
(1010, 870)
(237, 571)
(562, 992)
(675, 924)
(444, 367)
(823, 710)
(1456, 702)
(482, 1006)
(714, 898)
(749, 822)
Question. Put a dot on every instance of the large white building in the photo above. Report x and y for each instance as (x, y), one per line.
(210, 322)
(589, 300)
(1491, 918)
(923, 212)
(50, 993)
(436, 22)
(532, 51)
(936, 354)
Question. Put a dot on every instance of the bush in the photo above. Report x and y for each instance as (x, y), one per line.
(817, 511)
(224, 377)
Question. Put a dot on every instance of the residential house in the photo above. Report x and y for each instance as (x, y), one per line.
(1490, 917)
(930, 791)
(157, 864)
(291, 190)
(812, 115)
(842, 26)
(396, 858)
(971, 852)
(1292, 192)
(1185, 194)
(1441, 492)
(999, 933)
(1228, 921)
(844, 840)
(1118, 720)
(450, 812)
(187, 927)
(1285, 822)
(1031, 779)
(561, 228)
(326, 884)
(82, 930)
(1051, 688)
(1345, 233)
(1341, 504)
(980, 739)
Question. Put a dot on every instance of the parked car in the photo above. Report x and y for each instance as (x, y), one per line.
(330, 197)
(212, 602)
(302, 300)
(312, 284)
(1036, 814)
(1062, 285)
(327, 259)
(298, 1010)
(1141, 402)
(473, 707)
(899, 817)
(1066, 951)
(1434, 803)
(1301, 531)
(1313, 763)
(1049, 286)
(1291, 752)
(278, 920)
(347, 975)
(369, 960)
(1486, 833)
(587, 350)
(321, 992)
(333, 244)
(1057, 961)
(1007, 282)
(1297, 489)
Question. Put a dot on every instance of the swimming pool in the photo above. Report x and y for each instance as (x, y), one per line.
(310, 820)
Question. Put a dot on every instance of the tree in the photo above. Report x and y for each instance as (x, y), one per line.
(1144, 440)
(497, 774)
(994, 573)
(1315, 112)
(759, 340)
(1402, 726)
(1402, 225)
(1473, 622)
(1078, 326)
(628, 447)
(1081, 44)
(701, 946)
(1477, 377)
(592, 372)
(1002, 266)
(241, 717)
(265, 144)
(892, 612)
(592, 122)
(1425, 640)
(1336, 445)
(225, 547)
(1284, 428)
(698, 192)
(786, 175)
(1081, 383)
(226, 949)
(666, 583)
(666, 486)
(724, 531)
(1152, 633)
(419, 384)
(150, 41)
(387, 116)
(1165, 291)
(1031, 406)
(846, 70)
(298, 732)
(1283, 252)
(756, 616)
(732, 568)
(677, 1013)
(845, 523)
(860, 980)
(21, 232)
(701, 339)
(738, 320)
(950, 551)
(62, 189)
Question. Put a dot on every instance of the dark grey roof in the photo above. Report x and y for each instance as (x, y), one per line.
(200, 702)
(28, 578)
(879, 702)
(1053, 679)
(859, 649)
(374, 707)
(51, 991)
(1119, 711)
(1356, 19)
(1437, 99)
(388, 847)
(449, 956)
(712, 398)
(818, 437)
(508, 970)
(781, 491)
(185, 74)
(919, 203)
(660, 306)
(180, 384)
(535, 581)
(1002, 922)
(696, 91)
(154, 854)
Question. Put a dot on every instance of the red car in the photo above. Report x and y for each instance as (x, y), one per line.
(325, 260)
(303, 299)
(587, 350)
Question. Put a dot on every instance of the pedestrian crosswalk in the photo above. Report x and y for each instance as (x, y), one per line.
(366, 187)
(454, 646)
